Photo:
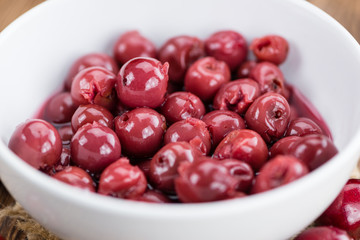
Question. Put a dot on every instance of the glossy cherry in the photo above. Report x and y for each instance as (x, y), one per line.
(191, 130)
(245, 69)
(221, 122)
(269, 115)
(323, 233)
(76, 177)
(60, 108)
(63, 162)
(181, 105)
(279, 171)
(205, 180)
(140, 131)
(302, 126)
(164, 164)
(237, 95)
(95, 85)
(90, 60)
(283, 146)
(132, 44)
(90, 113)
(227, 46)
(205, 77)
(271, 48)
(37, 142)
(314, 150)
(344, 210)
(94, 147)
(142, 82)
(180, 52)
(241, 171)
(122, 180)
(245, 145)
(270, 78)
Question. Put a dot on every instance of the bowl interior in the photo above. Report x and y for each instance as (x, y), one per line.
(37, 50)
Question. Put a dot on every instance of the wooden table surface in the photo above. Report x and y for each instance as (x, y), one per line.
(347, 12)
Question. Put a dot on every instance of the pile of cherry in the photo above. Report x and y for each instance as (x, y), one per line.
(194, 121)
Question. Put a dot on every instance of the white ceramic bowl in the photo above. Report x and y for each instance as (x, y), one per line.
(37, 49)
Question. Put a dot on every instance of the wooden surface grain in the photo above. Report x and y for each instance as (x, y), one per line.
(347, 12)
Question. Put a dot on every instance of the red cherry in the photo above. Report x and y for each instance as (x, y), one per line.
(272, 48)
(76, 177)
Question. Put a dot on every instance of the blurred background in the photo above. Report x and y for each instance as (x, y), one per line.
(347, 12)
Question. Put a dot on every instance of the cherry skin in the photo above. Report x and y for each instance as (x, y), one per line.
(122, 180)
(62, 163)
(227, 46)
(142, 82)
(314, 150)
(245, 145)
(283, 146)
(37, 142)
(152, 196)
(245, 69)
(237, 95)
(242, 172)
(323, 233)
(140, 131)
(269, 115)
(205, 180)
(94, 147)
(181, 105)
(344, 210)
(279, 171)
(90, 60)
(60, 108)
(76, 177)
(91, 113)
(205, 77)
(221, 122)
(132, 44)
(271, 48)
(164, 164)
(66, 133)
(302, 126)
(191, 130)
(180, 52)
(95, 85)
(270, 78)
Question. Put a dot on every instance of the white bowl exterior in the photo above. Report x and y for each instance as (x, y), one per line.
(38, 48)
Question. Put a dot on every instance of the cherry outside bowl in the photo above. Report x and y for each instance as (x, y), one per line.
(38, 48)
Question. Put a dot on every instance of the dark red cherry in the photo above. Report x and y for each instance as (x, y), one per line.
(245, 69)
(270, 78)
(271, 48)
(142, 82)
(181, 105)
(191, 130)
(37, 142)
(94, 147)
(227, 46)
(221, 122)
(122, 180)
(241, 171)
(245, 145)
(132, 44)
(302, 126)
(90, 60)
(140, 131)
(314, 150)
(66, 133)
(323, 233)
(283, 146)
(344, 210)
(269, 115)
(91, 113)
(153, 196)
(95, 85)
(237, 95)
(60, 108)
(205, 77)
(76, 177)
(180, 52)
(279, 171)
(164, 164)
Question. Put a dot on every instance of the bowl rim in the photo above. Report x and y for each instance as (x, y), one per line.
(124, 207)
